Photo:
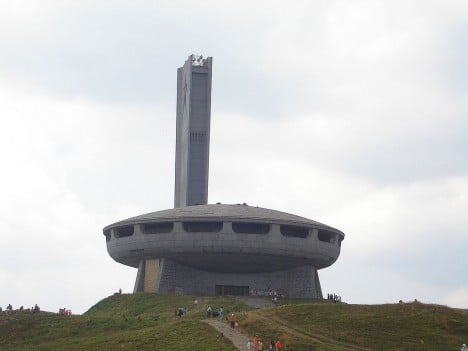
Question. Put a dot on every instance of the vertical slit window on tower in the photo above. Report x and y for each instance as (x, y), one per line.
(197, 136)
(122, 232)
(294, 231)
(200, 227)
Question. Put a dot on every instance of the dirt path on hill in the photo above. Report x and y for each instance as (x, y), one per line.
(238, 339)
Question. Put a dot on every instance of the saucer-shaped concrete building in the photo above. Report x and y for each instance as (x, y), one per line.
(218, 249)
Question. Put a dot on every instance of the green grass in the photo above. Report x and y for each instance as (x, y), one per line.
(125, 322)
(328, 326)
(146, 322)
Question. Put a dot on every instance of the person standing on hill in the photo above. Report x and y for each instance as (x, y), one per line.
(464, 348)
(255, 343)
(271, 347)
(260, 345)
(221, 313)
(278, 345)
(232, 320)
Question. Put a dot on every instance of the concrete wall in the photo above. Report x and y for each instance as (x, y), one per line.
(192, 133)
(299, 282)
(227, 244)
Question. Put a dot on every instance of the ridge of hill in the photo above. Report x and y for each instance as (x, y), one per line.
(146, 322)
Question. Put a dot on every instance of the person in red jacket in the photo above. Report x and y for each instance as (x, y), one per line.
(232, 320)
(278, 345)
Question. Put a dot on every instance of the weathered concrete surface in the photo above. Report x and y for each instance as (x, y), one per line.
(151, 275)
(193, 132)
(299, 282)
(226, 250)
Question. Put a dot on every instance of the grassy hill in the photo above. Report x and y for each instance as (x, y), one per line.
(125, 322)
(328, 326)
(147, 322)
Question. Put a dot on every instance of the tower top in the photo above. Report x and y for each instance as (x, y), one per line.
(198, 60)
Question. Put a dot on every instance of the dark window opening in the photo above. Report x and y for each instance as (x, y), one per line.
(124, 231)
(326, 235)
(297, 232)
(158, 228)
(232, 290)
(250, 228)
(197, 136)
(107, 233)
(197, 227)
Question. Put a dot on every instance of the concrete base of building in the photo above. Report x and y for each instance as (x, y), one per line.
(167, 276)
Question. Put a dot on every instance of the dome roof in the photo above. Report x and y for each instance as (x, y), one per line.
(239, 212)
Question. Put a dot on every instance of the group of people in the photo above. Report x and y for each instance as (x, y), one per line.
(64, 312)
(334, 297)
(211, 313)
(256, 344)
(33, 309)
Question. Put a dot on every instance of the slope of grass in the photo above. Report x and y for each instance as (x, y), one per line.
(129, 322)
(146, 322)
(328, 326)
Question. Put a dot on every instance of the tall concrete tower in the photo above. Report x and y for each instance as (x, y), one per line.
(193, 132)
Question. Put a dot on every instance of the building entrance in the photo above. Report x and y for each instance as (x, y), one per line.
(232, 290)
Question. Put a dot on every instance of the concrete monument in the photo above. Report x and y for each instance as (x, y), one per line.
(215, 249)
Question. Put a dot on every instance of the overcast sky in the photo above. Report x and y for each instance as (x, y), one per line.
(351, 113)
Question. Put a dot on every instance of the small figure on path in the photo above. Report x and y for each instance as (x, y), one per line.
(221, 313)
(232, 320)
(209, 312)
(464, 348)
(260, 345)
(256, 342)
(278, 345)
(271, 347)
(250, 345)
